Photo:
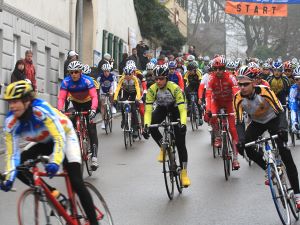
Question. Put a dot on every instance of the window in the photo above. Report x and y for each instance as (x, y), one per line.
(33, 48)
(16, 49)
(47, 70)
(61, 64)
(110, 43)
(116, 51)
(104, 42)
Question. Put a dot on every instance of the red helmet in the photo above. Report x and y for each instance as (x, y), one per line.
(250, 72)
(219, 62)
(287, 65)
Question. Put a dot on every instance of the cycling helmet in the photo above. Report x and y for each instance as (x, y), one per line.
(28, 81)
(266, 66)
(277, 65)
(287, 65)
(150, 66)
(253, 65)
(106, 67)
(190, 58)
(192, 66)
(75, 65)
(18, 90)
(206, 58)
(296, 72)
(230, 65)
(128, 70)
(172, 65)
(200, 58)
(218, 62)
(86, 69)
(161, 70)
(249, 72)
(153, 60)
(130, 62)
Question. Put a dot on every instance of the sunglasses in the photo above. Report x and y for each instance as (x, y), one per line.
(76, 72)
(160, 78)
(297, 79)
(244, 84)
(288, 70)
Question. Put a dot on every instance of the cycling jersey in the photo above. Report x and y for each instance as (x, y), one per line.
(192, 79)
(80, 91)
(169, 96)
(264, 83)
(177, 79)
(294, 103)
(43, 125)
(130, 86)
(203, 85)
(106, 83)
(260, 105)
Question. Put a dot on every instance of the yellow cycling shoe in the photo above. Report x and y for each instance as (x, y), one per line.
(160, 157)
(185, 180)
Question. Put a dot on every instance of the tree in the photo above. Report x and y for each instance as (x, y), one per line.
(156, 26)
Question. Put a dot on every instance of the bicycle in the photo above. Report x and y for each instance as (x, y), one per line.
(84, 139)
(127, 126)
(227, 145)
(194, 111)
(37, 205)
(107, 114)
(171, 165)
(282, 193)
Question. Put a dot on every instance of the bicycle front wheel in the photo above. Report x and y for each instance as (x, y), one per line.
(279, 195)
(168, 175)
(87, 155)
(33, 209)
(225, 155)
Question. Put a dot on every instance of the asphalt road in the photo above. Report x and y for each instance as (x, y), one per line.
(132, 183)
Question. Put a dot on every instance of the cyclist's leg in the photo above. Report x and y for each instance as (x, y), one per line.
(158, 115)
(214, 123)
(286, 155)
(253, 131)
(134, 121)
(32, 153)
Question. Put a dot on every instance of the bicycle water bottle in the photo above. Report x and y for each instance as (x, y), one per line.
(127, 108)
(60, 198)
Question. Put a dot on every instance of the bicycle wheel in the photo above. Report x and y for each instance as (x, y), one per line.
(197, 116)
(215, 150)
(168, 175)
(177, 169)
(110, 119)
(192, 119)
(80, 139)
(106, 119)
(102, 211)
(87, 155)
(33, 209)
(226, 161)
(279, 195)
(126, 132)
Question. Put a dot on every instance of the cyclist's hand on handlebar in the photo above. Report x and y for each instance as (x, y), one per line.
(51, 169)
(145, 133)
(182, 128)
(200, 101)
(92, 114)
(207, 116)
(7, 185)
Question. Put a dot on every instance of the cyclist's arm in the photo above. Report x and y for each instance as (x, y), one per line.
(180, 81)
(201, 90)
(293, 104)
(62, 98)
(137, 88)
(235, 87)
(150, 98)
(180, 101)
(94, 97)
(118, 88)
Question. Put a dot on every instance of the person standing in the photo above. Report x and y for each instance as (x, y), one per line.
(72, 56)
(135, 58)
(29, 68)
(19, 71)
(122, 64)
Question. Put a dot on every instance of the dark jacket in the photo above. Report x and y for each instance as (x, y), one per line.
(18, 74)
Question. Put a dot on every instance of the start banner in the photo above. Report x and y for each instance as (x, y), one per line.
(258, 8)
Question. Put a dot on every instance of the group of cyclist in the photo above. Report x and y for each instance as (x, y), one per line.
(260, 89)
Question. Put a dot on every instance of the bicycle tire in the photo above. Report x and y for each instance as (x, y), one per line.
(110, 120)
(197, 116)
(32, 210)
(224, 156)
(192, 119)
(278, 195)
(88, 156)
(168, 176)
(106, 119)
(80, 139)
(178, 169)
(126, 132)
(102, 211)
(213, 146)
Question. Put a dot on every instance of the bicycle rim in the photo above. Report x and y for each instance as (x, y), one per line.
(178, 169)
(224, 156)
(88, 156)
(192, 119)
(126, 132)
(102, 211)
(110, 121)
(81, 152)
(34, 211)
(278, 195)
(168, 176)
(196, 117)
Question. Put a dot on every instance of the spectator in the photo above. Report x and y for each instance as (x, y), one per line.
(122, 64)
(19, 71)
(141, 48)
(192, 50)
(135, 58)
(72, 56)
(105, 60)
(29, 68)
(145, 59)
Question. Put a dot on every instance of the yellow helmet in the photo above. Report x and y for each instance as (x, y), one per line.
(17, 90)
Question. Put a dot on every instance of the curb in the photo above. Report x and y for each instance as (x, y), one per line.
(23, 144)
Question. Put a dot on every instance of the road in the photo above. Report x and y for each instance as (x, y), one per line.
(132, 183)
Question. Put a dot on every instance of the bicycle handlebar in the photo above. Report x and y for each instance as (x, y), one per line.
(126, 102)
(222, 114)
(76, 113)
(261, 140)
(164, 124)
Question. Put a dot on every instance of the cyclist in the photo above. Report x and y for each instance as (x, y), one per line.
(279, 83)
(106, 81)
(169, 98)
(175, 76)
(149, 76)
(288, 71)
(255, 74)
(266, 113)
(37, 121)
(83, 96)
(131, 91)
(266, 71)
(220, 90)
(230, 67)
(206, 66)
(294, 100)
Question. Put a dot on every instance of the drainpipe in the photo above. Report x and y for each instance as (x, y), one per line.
(80, 28)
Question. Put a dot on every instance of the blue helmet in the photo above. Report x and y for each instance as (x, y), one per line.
(172, 64)
(153, 60)
(277, 65)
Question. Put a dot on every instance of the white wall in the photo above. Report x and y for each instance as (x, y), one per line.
(45, 11)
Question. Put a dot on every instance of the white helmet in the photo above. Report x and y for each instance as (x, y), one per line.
(75, 65)
(28, 81)
(130, 62)
(190, 58)
(150, 66)
(253, 65)
(230, 65)
(107, 56)
(86, 69)
(106, 67)
(296, 72)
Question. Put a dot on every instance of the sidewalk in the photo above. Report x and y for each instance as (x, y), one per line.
(24, 143)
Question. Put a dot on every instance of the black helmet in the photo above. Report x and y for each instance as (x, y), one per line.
(162, 70)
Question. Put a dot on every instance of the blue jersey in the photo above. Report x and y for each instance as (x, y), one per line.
(106, 83)
(174, 78)
(294, 103)
(78, 90)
